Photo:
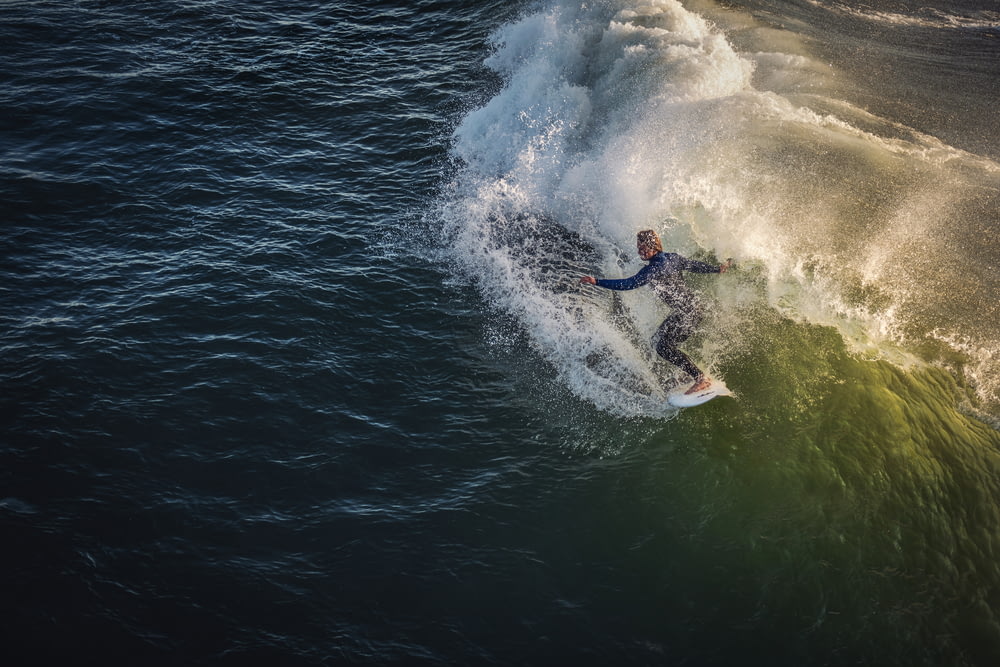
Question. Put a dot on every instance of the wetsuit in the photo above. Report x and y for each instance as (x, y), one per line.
(663, 273)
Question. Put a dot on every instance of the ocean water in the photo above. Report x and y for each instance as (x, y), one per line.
(296, 368)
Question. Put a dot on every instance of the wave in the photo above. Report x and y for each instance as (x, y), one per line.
(620, 116)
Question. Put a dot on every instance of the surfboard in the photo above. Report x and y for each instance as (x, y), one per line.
(679, 399)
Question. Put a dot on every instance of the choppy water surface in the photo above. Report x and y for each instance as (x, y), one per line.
(296, 368)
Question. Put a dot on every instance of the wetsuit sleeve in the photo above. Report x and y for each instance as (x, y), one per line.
(694, 266)
(638, 280)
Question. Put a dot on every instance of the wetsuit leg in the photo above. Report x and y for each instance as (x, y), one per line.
(672, 332)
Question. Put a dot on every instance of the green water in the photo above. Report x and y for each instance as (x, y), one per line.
(858, 492)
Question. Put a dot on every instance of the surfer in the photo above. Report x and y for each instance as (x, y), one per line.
(664, 273)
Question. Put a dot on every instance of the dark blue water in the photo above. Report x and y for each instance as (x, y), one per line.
(296, 370)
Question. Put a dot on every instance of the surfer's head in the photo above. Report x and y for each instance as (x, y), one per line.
(648, 243)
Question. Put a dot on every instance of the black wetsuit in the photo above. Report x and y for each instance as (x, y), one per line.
(664, 274)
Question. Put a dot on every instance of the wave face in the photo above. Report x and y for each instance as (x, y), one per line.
(732, 140)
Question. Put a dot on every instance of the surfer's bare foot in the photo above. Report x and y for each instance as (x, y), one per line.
(700, 384)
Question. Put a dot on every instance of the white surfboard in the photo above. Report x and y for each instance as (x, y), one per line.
(679, 399)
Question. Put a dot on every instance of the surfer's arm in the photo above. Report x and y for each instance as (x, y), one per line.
(694, 266)
(638, 280)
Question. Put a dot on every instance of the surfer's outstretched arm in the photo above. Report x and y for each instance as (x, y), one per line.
(638, 280)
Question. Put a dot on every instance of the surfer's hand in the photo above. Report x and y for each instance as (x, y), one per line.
(728, 265)
(588, 280)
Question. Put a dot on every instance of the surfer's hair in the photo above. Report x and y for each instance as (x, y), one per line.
(648, 240)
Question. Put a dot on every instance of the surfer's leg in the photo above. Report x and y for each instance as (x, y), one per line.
(679, 359)
(674, 330)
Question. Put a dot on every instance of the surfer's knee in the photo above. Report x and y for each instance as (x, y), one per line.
(666, 349)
